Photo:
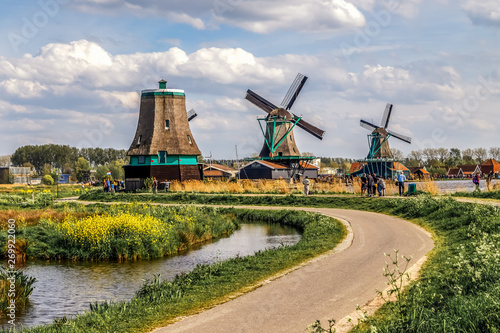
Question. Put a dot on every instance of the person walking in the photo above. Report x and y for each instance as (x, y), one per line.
(364, 184)
(401, 183)
(306, 183)
(155, 185)
(381, 187)
(370, 185)
(475, 180)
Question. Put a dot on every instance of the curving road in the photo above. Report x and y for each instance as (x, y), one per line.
(329, 287)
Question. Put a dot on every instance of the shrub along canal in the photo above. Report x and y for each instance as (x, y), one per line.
(67, 288)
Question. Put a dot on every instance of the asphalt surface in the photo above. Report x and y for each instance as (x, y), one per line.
(330, 287)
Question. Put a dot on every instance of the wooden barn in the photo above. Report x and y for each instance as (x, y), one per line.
(218, 171)
(261, 169)
(419, 172)
(163, 145)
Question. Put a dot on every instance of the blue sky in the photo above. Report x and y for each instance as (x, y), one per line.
(71, 71)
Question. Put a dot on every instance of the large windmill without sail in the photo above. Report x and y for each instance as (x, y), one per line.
(380, 159)
(277, 126)
(163, 145)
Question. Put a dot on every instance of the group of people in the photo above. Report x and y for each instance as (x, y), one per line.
(112, 186)
(371, 183)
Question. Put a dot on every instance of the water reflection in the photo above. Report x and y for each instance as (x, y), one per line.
(64, 289)
(452, 186)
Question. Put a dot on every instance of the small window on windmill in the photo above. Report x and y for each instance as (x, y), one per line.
(167, 124)
(189, 139)
(141, 159)
(139, 139)
(280, 153)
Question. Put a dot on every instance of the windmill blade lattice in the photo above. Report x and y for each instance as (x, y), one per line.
(386, 116)
(293, 91)
(191, 114)
(260, 102)
(401, 137)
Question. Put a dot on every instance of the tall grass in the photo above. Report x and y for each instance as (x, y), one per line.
(16, 287)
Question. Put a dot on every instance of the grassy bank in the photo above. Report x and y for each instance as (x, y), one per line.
(158, 302)
(459, 287)
(130, 231)
(477, 194)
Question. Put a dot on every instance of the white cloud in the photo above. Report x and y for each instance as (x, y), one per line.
(302, 15)
(413, 85)
(254, 15)
(83, 63)
(483, 11)
(23, 88)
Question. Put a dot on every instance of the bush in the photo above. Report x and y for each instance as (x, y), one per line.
(48, 180)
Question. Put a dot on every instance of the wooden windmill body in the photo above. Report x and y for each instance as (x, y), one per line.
(279, 127)
(163, 145)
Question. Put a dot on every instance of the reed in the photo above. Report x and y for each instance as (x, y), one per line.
(16, 286)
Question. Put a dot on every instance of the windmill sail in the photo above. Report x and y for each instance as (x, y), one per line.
(260, 102)
(369, 126)
(399, 136)
(311, 129)
(294, 91)
(191, 114)
(387, 115)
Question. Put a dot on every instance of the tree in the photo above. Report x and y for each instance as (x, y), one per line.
(495, 153)
(468, 156)
(415, 158)
(397, 154)
(442, 154)
(480, 154)
(82, 169)
(5, 160)
(101, 172)
(47, 169)
(454, 158)
(48, 180)
(116, 168)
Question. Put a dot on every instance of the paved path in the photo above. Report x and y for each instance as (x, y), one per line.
(330, 287)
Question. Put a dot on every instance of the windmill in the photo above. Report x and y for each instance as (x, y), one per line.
(277, 128)
(378, 140)
(380, 159)
(163, 145)
(280, 122)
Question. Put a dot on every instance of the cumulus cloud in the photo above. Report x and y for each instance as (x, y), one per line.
(483, 11)
(83, 63)
(23, 88)
(303, 15)
(254, 15)
(414, 84)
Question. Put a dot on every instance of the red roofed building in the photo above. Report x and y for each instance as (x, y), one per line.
(490, 166)
(218, 171)
(469, 170)
(418, 172)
